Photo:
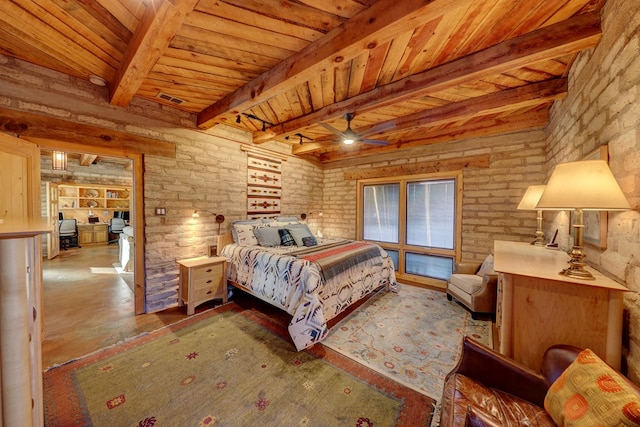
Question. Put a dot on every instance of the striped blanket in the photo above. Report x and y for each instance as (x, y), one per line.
(312, 284)
(334, 259)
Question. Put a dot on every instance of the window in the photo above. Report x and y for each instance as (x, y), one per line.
(416, 220)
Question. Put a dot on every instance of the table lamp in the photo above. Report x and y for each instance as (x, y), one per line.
(528, 203)
(587, 185)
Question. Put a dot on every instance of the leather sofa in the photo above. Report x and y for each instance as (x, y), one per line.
(487, 388)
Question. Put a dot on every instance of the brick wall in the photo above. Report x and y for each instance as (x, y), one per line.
(490, 196)
(603, 107)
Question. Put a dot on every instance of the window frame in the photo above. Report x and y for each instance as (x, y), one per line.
(402, 248)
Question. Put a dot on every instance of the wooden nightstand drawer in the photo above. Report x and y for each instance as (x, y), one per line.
(202, 279)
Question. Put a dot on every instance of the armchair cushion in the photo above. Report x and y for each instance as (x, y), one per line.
(469, 283)
(590, 392)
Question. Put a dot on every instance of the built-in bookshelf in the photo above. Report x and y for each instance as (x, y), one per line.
(77, 200)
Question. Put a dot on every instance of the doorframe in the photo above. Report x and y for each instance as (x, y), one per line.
(139, 275)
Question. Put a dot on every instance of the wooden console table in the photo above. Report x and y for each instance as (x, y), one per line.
(538, 307)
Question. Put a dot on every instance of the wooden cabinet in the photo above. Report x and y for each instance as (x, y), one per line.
(539, 307)
(202, 279)
(93, 234)
(21, 320)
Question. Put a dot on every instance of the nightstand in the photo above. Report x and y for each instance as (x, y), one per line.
(202, 279)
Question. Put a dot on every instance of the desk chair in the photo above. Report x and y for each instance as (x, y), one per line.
(68, 232)
(116, 225)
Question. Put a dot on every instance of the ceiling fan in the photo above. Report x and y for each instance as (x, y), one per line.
(349, 136)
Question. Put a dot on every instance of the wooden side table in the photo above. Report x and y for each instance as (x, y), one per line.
(202, 279)
(539, 307)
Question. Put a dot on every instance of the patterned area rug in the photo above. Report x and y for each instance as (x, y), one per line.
(413, 336)
(225, 367)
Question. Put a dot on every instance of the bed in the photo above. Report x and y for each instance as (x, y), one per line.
(313, 283)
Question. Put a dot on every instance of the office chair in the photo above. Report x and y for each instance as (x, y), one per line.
(68, 232)
(116, 225)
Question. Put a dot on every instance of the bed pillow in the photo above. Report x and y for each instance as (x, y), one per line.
(267, 236)
(299, 232)
(591, 393)
(286, 239)
(242, 231)
(309, 241)
(286, 219)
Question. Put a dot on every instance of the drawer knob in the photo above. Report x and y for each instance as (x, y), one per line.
(209, 292)
(209, 281)
(209, 270)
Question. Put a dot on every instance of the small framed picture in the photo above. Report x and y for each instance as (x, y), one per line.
(595, 222)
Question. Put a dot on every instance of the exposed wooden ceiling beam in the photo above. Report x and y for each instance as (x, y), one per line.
(152, 37)
(29, 125)
(435, 166)
(570, 36)
(87, 159)
(375, 25)
(507, 100)
(488, 127)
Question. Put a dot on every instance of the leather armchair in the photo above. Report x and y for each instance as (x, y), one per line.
(486, 385)
(476, 293)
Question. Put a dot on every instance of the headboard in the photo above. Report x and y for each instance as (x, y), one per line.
(224, 240)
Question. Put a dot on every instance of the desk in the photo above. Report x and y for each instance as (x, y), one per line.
(89, 234)
(538, 307)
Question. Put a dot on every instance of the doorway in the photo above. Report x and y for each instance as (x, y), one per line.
(87, 290)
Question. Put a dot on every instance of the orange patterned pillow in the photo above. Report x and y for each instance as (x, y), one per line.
(590, 393)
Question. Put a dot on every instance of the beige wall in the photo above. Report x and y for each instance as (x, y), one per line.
(603, 107)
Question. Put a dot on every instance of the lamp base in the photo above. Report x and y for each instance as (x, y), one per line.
(539, 239)
(576, 265)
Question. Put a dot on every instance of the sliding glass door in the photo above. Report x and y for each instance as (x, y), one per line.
(416, 220)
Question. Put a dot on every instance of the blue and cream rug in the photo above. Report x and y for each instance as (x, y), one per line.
(413, 336)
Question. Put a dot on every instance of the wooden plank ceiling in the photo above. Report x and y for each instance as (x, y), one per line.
(414, 72)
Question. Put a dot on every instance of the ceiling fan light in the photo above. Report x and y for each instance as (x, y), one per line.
(348, 141)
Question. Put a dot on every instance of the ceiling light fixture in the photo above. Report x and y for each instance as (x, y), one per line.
(252, 117)
(299, 135)
(97, 80)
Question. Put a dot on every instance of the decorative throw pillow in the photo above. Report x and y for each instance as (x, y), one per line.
(487, 266)
(243, 222)
(245, 236)
(309, 241)
(590, 393)
(299, 231)
(267, 236)
(286, 239)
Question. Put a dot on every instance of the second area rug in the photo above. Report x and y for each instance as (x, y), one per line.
(225, 367)
(413, 336)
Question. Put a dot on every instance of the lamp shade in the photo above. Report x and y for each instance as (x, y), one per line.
(531, 198)
(588, 185)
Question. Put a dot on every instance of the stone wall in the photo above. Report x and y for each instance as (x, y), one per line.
(490, 196)
(209, 171)
(603, 107)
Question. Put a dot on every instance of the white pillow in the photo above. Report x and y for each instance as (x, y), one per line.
(245, 236)
(487, 266)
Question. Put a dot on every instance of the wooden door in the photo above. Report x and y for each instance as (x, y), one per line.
(53, 239)
(20, 177)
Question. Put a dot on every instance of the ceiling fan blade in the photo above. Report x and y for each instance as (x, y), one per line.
(331, 129)
(374, 142)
